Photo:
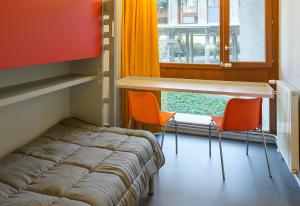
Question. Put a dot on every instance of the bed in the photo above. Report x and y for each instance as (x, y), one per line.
(78, 164)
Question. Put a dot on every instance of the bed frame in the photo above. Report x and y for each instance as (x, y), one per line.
(88, 85)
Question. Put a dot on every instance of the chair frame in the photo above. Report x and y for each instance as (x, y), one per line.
(260, 130)
(173, 121)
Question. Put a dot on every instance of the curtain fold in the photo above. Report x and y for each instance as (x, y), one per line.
(140, 54)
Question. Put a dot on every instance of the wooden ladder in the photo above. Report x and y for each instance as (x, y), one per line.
(107, 71)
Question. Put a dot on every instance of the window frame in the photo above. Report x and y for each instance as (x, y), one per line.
(225, 39)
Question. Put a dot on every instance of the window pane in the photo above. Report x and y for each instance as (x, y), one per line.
(190, 32)
(192, 103)
(213, 13)
(188, 11)
(247, 30)
(163, 11)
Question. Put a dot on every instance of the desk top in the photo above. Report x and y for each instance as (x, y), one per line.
(230, 88)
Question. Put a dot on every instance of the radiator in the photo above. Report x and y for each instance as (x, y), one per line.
(288, 124)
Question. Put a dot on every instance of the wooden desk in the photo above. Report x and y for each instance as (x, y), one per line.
(230, 88)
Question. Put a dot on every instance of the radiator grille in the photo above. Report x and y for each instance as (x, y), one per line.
(288, 124)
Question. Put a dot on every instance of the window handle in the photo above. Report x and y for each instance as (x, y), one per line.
(225, 65)
(227, 48)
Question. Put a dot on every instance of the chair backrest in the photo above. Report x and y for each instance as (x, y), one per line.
(143, 107)
(243, 114)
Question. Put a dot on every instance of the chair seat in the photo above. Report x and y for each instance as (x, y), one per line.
(165, 117)
(218, 122)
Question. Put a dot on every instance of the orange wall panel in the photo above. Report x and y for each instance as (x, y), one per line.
(39, 32)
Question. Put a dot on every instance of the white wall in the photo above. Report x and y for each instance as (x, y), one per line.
(24, 121)
(289, 64)
(289, 69)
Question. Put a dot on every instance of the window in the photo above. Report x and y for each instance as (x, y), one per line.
(188, 11)
(190, 32)
(202, 38)
(186, 37)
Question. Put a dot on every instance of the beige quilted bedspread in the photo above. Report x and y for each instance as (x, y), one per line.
(78, 164)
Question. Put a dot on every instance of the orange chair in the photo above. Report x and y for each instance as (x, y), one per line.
(241, 115)
(143, 107)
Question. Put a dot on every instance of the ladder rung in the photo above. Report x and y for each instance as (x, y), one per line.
(106, 124)
(106, 100)
(106, 73)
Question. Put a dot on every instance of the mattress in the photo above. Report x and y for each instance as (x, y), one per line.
(75, 163)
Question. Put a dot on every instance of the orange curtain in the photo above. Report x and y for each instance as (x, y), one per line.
(140, 55)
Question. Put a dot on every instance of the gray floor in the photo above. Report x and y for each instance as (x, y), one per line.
(192, 178)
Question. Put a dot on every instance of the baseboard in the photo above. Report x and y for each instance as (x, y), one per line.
(203, 131)
(297, 178)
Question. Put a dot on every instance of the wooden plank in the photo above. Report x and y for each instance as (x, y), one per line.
(231, 88)
(21, 92)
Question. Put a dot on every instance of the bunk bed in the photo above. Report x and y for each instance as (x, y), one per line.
(77, 161)
(64, 79)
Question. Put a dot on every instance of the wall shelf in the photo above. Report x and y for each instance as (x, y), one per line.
(21, 92)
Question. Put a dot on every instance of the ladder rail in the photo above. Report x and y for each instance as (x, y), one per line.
(109, 73)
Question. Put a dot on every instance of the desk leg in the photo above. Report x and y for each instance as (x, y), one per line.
(176, 137)
(209, 138)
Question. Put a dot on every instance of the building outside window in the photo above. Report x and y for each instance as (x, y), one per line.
(192, 32)
(188, 11)
(163, 11)
(189, 31)
(213, 11)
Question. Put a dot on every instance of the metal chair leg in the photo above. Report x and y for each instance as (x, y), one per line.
(151, 186)
(247, 147)
(162, 137)
(266, 153)
(221, 155)
(209, 137)
(176, 137)
(129, 124)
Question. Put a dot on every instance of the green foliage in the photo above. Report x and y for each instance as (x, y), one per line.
(199, 49)
(191, 103)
